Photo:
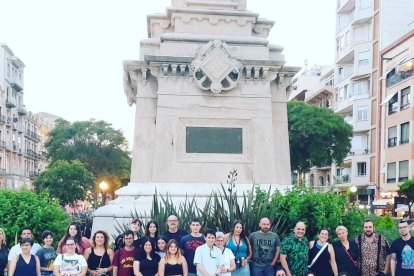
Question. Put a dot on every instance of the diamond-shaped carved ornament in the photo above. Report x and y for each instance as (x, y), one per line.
(215, 69)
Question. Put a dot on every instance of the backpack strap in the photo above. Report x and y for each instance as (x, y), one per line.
(360, 247)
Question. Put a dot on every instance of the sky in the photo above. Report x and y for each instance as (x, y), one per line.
(73, 50)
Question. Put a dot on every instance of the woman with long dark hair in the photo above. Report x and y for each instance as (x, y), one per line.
(147, 263)
(73, 231)
(99, 256)
(239, 244)
(151, 231)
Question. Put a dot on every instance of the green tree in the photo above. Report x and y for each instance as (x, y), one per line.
(22, 208)
(67, 181)
(103, 149)
(407, 191)
(317, 136)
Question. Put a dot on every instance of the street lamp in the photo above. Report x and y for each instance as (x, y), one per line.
(103, 186)
(353, 189)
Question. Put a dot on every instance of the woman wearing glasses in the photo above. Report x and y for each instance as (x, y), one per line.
(74, 232)
(228, 256)
(70, 263)
(25, 264)
(173, 264)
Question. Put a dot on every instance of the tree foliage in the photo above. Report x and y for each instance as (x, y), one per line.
(317, 136)
(407, 191)
(96, 144)
(23, 208)
(66, 181)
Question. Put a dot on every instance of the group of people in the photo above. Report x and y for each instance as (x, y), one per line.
(177, 252)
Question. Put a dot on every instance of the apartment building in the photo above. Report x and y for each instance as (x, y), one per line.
(364, 29)
(397, 115)
(19, 131)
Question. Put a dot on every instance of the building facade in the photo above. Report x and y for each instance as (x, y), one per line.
(19, 131)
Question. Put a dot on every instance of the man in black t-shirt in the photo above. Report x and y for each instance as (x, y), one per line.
(402, 252)
(173, 231)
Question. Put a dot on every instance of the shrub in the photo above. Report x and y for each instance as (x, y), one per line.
(23, 208)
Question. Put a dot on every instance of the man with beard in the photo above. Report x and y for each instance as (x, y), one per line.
(402, 252)
(266, 248)
(374, 250)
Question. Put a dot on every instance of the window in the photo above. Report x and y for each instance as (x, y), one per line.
(362, 113)
(363, 58)
(405, 98)
(392, 136)
(403, 171)
(393, 104)
(358, 88)
(311, 180)
(341, 73)
(405, 133)
(362, 168)
(347, 93)
(341, 94)
(391, 172)
(364, 4)
(321, 181)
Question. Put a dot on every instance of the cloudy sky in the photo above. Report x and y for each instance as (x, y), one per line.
(73, 50)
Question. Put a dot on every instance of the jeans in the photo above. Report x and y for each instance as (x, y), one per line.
(267, 270)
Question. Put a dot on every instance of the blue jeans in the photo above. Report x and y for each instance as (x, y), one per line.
(263, 271)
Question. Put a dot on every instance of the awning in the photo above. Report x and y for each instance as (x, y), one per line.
(402, 208)
(360, 77)
(388, 98)
(383, 201)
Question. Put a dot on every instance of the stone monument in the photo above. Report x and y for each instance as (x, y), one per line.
(211, 96)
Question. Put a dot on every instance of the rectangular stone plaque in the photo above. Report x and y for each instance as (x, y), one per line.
(214, 140)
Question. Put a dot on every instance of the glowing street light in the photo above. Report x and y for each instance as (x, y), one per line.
(353, 189)
(103, 186)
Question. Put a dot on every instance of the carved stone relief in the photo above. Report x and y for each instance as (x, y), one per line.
(215, 69)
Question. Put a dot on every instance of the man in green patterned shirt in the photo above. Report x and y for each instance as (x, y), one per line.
(294, 252)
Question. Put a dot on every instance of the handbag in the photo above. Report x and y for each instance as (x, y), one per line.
(99, 266)
(317, 255)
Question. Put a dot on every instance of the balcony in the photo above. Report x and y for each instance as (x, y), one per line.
(345, 6)
(318, 93)
(3, 145)
(10, 103)
(32, 135)
(22, 110)
(2, 119)
(344, 179)
(33, 174)
(16, 83)
(32, 154)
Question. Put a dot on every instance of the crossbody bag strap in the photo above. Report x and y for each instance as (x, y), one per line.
(319, 253)
(379, 252)
(350, 257)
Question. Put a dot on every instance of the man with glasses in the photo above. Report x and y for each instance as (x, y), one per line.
(124, 258)
(189, 244)
(16, 250)
(208, 258)
(402, 252)
(173, 231)
(135, 227)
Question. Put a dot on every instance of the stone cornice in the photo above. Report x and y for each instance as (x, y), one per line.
(188, 37)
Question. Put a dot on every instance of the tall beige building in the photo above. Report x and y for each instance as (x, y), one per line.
(364, 29)
(19, 130)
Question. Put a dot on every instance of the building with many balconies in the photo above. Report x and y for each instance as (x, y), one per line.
(19, 131)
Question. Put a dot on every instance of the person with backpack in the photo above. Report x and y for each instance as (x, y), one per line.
(374, 251)
(135, 227)
(123, 262)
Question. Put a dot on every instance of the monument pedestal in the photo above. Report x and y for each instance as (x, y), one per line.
(138, 198)
(211, 96)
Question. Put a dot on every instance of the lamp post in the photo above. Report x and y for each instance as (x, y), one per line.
(103, 186)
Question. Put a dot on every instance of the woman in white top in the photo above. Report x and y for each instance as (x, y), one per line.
(70, 263)
(228, 256)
